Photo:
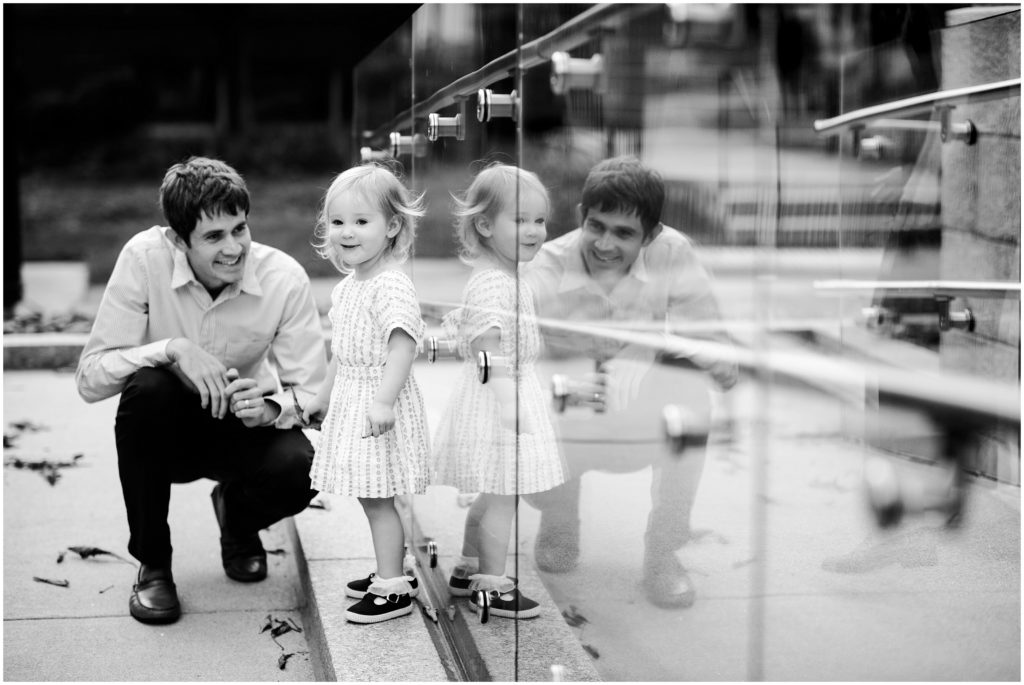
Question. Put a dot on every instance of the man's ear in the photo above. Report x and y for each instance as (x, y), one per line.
(653, 234)
(581, 213)
(173, 236)
(483, 226)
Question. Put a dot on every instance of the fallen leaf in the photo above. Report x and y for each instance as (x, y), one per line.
(282, 660)
(574, 617)
(50, 581)
(86, 552)
(8, 441)
(109, 587)
(60, 557)
(591, 651)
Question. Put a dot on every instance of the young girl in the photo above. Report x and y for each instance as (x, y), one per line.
(497, 438)
(373, 441)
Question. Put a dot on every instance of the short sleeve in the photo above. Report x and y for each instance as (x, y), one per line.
(396, 306)
(335, 294)
(489, 303)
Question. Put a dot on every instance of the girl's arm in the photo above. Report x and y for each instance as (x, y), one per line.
(504, 388)
(401, 353)
(318, 405)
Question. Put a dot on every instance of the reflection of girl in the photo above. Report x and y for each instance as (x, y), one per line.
(373, 442)
(497, 438)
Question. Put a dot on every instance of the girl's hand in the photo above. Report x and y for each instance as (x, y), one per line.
(380, 418)
(313, 414)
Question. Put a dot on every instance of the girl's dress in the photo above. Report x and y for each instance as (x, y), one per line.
(363, 314)
(473, 451)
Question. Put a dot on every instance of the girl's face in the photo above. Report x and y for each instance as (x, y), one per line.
(360, 234)
(516, 233)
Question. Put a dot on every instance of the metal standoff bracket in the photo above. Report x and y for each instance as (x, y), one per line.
(491, 105)
(963, 319)
(955, 130)
(415, 145)
(874, 147)
(681, 428)
(445, 127)
(440, 348)
(368, 154)
(876, 318)
(490, 366)
(571, 73)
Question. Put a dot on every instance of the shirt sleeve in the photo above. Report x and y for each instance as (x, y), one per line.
(298, 353)
(115, 348)
(691, 298)
(489, 304)
(399, 308)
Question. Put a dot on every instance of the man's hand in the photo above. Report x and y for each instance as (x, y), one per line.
(204, 372)
(380, 418)
(246, 401)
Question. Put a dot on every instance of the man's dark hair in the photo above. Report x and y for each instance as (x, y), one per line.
(200, 186)
(624, 184)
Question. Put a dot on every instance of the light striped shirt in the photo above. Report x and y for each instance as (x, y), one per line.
(266, 325)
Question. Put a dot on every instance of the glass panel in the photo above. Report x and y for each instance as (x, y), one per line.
(795, 526)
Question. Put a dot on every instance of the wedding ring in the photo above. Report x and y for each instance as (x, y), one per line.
(245, 404)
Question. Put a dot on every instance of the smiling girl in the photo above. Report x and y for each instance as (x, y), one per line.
(373, 441)
(497, 439)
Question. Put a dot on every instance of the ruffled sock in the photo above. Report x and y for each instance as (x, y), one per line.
(480, 581)
(399, 585)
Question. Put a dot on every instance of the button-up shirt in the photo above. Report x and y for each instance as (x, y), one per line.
(154, 296)
(667, 284)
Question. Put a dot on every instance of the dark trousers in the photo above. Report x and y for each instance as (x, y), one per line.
(674, 483)
(164, 436)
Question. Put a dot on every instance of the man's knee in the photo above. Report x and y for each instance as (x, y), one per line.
(150, 388)
(287, 467)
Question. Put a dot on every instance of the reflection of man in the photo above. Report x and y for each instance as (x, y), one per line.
(191, 317)
(623, 265)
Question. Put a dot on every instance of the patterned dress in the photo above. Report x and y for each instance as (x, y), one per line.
(473, 451)
(363, 314)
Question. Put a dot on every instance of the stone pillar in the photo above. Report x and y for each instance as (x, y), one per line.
(981, 212)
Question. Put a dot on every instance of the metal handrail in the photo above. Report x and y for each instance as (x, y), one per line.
(913, 105)
(569, 35)
(949, 288)
(927, 391)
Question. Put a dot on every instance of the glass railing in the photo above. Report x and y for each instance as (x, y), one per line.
(850, 508)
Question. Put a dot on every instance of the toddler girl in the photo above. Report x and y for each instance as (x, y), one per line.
(497, 438)
(373, 442)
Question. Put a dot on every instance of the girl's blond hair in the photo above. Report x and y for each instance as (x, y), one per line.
(380, 186)
(491, 191)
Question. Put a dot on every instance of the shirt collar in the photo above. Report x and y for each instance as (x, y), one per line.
(575, 274)
(183, 274)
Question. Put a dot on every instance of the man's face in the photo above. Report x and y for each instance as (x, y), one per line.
(218, 249)
(611, 242)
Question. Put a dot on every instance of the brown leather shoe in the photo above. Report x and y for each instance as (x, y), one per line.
(154, 597)
(243, 557)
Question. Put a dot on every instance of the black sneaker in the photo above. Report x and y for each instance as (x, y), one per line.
(459, 587)
(511, 604)
(357, 588)
(375, 609)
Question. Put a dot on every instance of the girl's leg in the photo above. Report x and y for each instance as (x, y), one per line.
(495, 528)
(471, 534)
(388, 534)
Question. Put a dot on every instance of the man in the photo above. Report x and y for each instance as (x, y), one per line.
(622, 265)
(192, 316)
